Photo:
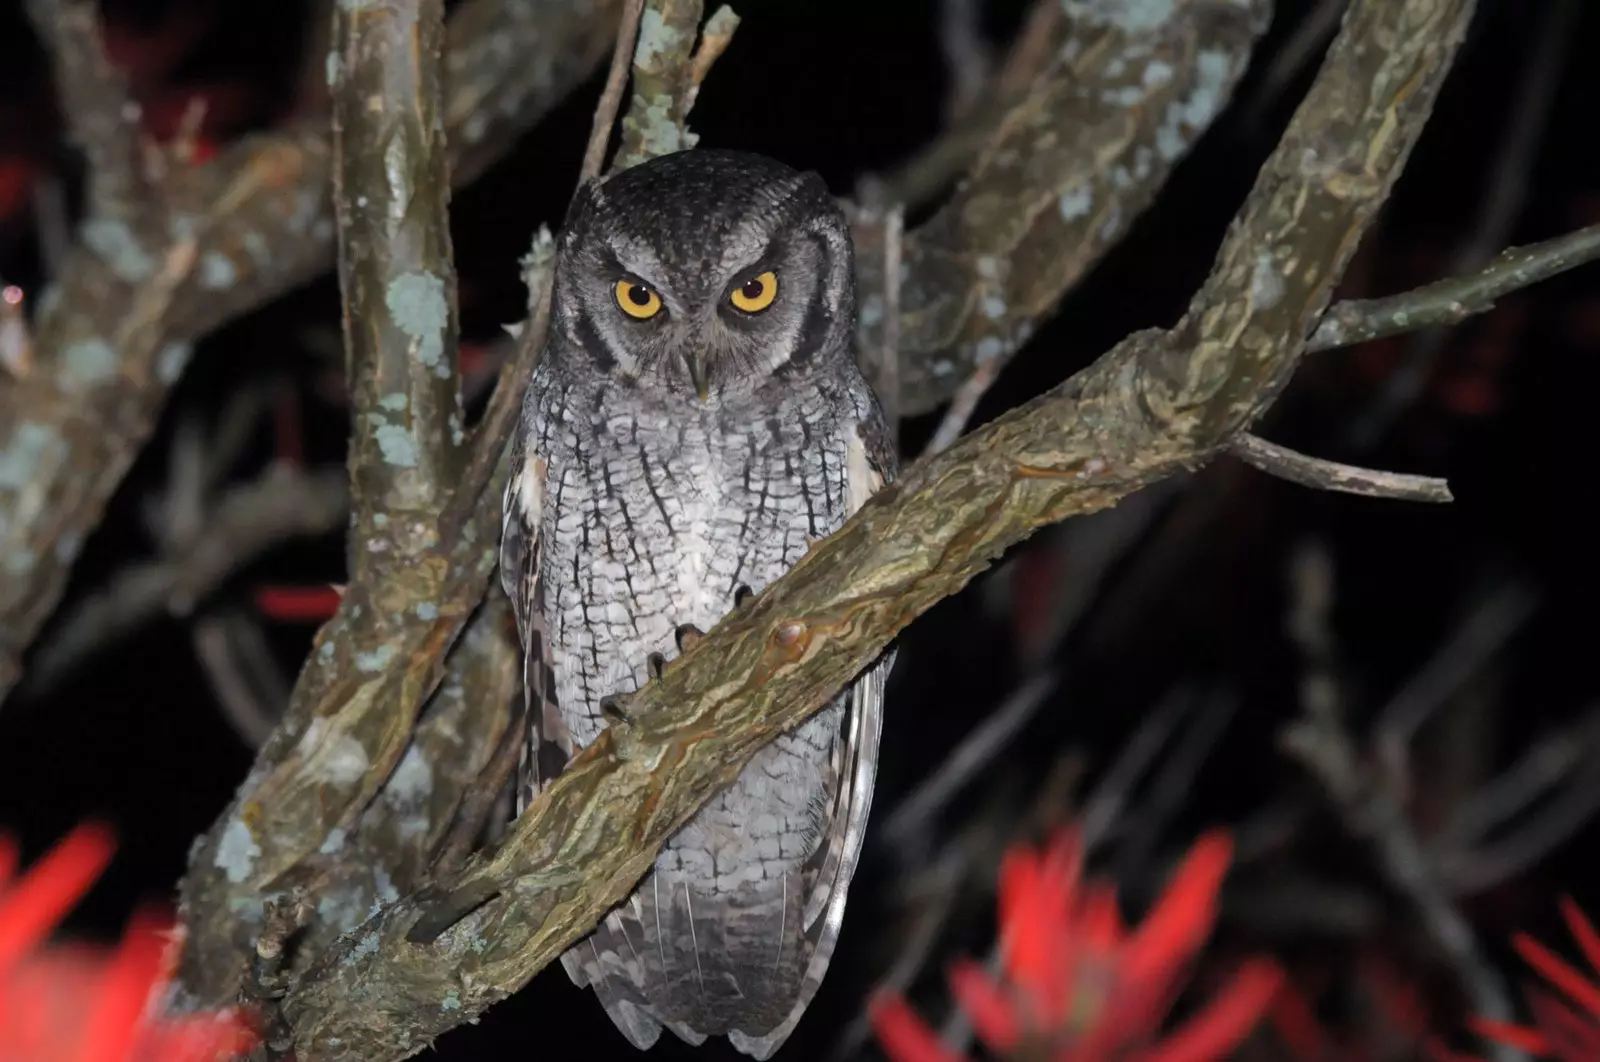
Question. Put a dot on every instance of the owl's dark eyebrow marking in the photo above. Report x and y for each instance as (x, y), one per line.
(589, 342)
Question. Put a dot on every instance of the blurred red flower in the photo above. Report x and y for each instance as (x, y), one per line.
(74, 1003)
(1076, 985)
(1563, 1030)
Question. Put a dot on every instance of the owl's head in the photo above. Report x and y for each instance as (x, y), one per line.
(704, 273)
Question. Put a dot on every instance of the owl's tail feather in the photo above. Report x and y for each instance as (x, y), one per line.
(695, 962)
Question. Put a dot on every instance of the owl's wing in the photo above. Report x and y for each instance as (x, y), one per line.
(871, 461)
(549, 745)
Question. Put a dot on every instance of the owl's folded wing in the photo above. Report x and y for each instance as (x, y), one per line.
(549, 745)
(871, 461)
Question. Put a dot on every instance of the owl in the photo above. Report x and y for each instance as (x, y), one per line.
(697, 420)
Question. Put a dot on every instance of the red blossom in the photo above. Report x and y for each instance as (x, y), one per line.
(1566, 1030)
(78, 1004)
(1078, 986)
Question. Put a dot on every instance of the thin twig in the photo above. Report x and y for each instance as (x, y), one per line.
(605, 112)
(975, 751)
(102, 117)
(237, 662)
(1489, 625)
(1370, 811)
(1450, 301)
(1322, 474)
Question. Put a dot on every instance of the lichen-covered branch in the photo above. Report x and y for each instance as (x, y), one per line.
(211, 242)
(398, 282)
(1065, 172)
(667, 71)
(102, 118)
(1157, 403)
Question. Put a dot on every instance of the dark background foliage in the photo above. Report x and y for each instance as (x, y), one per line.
(1197, 602)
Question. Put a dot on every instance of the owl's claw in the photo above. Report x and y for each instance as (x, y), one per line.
(614, 708)
(655, 663)
(686, 636)
(741, 594)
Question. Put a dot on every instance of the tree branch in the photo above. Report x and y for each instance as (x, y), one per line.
(397, 279)
(667, 71)
(116, 330)
(1456, 299)
(1322, 474)
(1065, 172)
(1156, 403)
(102, 118)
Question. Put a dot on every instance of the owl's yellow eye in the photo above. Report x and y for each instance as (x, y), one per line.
(755, 294)
(637, 301)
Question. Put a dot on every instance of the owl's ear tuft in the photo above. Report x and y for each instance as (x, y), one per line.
(584, 200)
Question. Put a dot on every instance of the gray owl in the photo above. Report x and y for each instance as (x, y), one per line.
(697, 420)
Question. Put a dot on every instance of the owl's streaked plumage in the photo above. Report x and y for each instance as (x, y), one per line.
(696, 420)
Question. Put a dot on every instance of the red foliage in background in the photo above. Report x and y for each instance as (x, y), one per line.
(75, 1003)
(1077, 986)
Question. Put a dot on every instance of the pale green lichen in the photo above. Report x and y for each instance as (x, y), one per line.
(20, 561)
(30, 446)
(418, 307)
(1075, 203)
(117, 246)
(91, 361)
(1130, 16)
(397, 445)
(394, 401)
(344, 762)
(237, 852)
(376, 660)
(172, 359)
(217, 271)
(658, 40)
(428, 611)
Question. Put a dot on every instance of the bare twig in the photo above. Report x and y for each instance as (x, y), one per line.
(1371, 812)
(1294, 55)
(967, 56)
(1322, 474)
(1454, 300)
(1486, 628)
(605, 112)
(102, 117)
(249, 687)
(974, 752)
(1468, 863)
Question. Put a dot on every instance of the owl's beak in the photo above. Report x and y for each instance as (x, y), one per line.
(697, 374)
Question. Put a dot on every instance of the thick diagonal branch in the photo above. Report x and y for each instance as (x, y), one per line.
(1155, 404)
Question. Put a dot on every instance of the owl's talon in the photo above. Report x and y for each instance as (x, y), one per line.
(741, 594)
(613, 708)
(655, 663)
(686, 636)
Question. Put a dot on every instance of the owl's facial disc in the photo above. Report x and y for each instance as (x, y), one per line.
(705, 274)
